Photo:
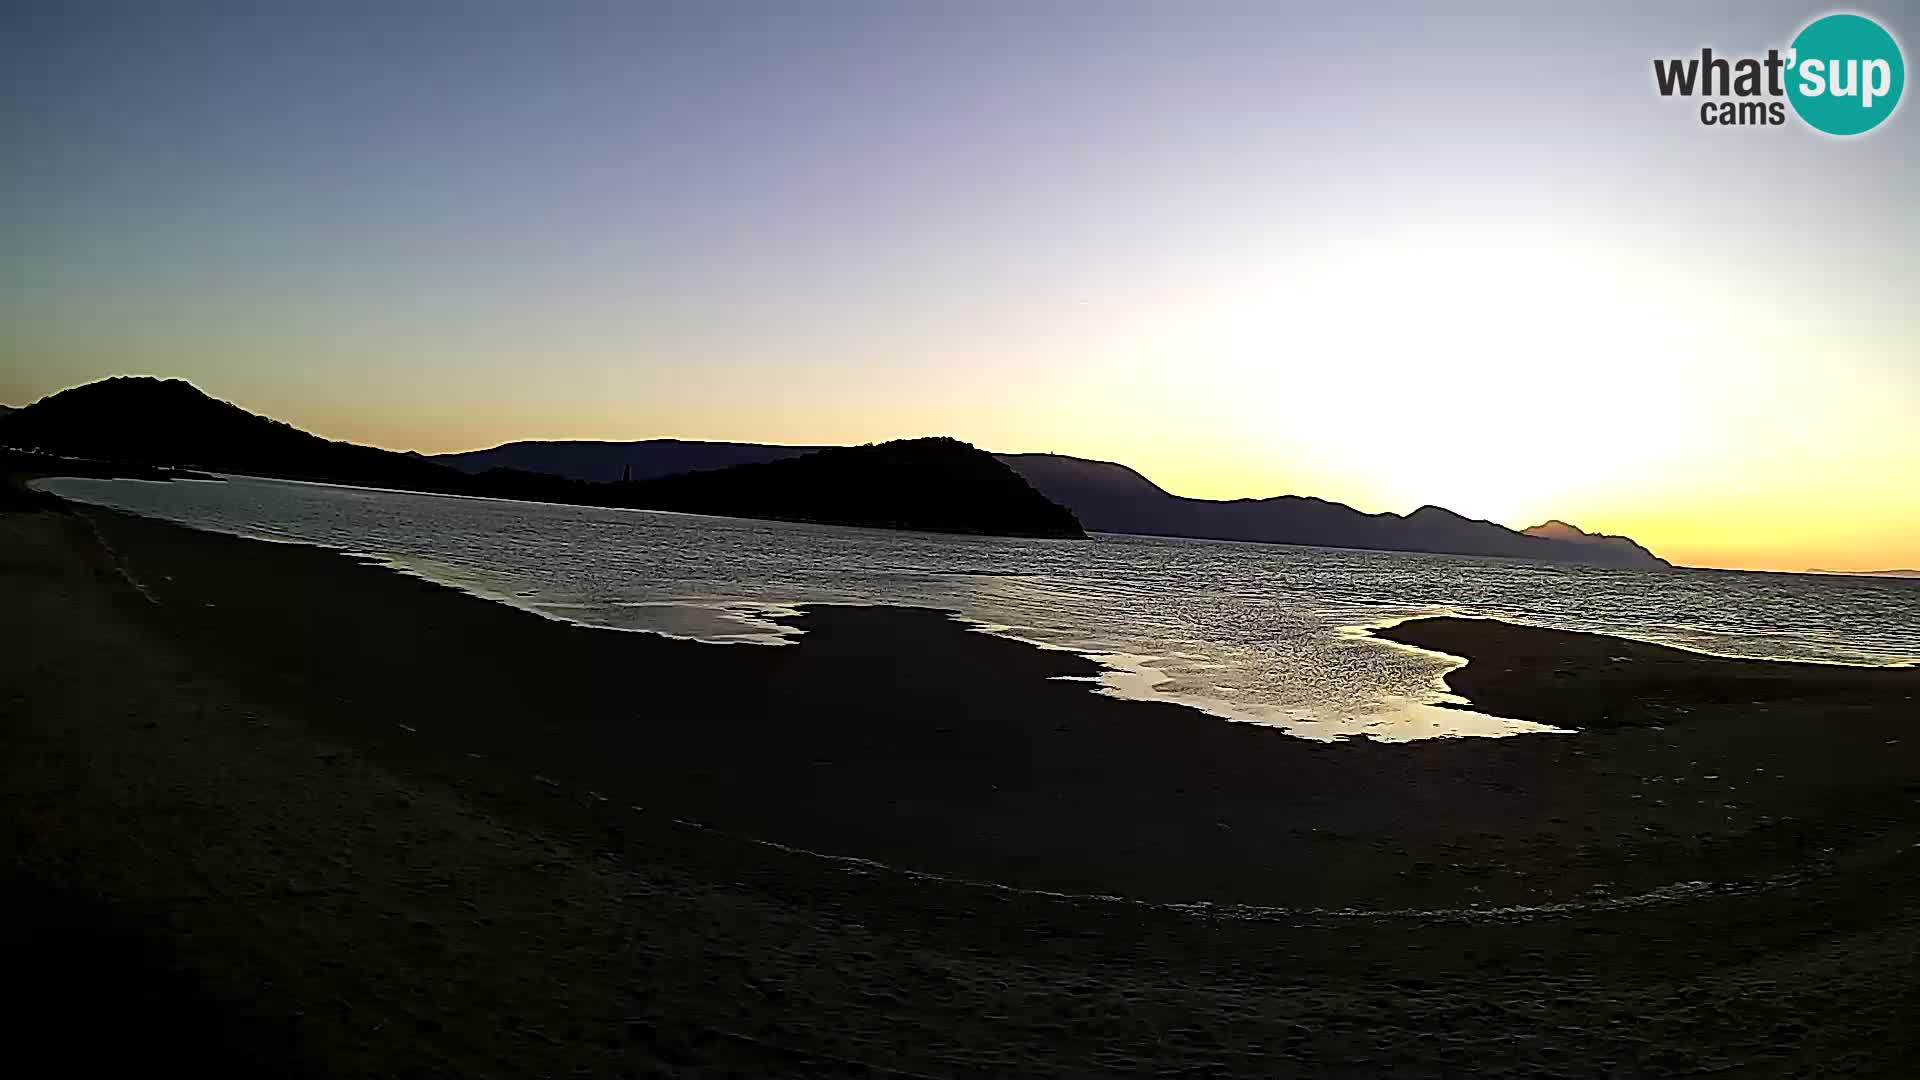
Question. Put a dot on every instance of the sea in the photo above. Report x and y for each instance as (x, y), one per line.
(1258, 633)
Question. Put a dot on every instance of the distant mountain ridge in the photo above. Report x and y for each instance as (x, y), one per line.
(605, 462)
(1555, 529)
(937, 484)
(1109, 497)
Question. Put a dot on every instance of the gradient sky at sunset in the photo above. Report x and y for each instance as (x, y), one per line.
(1380, 256)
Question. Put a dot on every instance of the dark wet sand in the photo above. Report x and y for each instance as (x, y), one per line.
(296, 810)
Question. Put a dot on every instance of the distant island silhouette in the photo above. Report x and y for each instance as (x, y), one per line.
(1109, 497)
(139, 424)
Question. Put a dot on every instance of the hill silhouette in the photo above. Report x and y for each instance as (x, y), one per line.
(1110, 497)
(937, 484)
(605, 462)
(934, 484)
(168, 422)
(1555, 529)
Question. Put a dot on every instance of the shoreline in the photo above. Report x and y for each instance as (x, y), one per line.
(1404, 699)
(1203, 790)
(1380, 631)
(1123, 675)
(284, 722)
(1628, 682)
(1363, 630)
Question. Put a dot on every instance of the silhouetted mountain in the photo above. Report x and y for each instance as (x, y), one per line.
(1105, 486)
(1555, 529)
(605, 462)
(146, 421)
(1109, 497)
(932, 484)
(5, 409)
(939, 484)
(1113, 498)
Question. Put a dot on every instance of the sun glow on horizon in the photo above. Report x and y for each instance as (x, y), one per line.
(1096, 237)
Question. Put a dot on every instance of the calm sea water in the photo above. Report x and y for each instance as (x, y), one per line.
(1256, 632)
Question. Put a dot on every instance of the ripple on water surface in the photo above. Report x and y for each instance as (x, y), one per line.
(1262, 633)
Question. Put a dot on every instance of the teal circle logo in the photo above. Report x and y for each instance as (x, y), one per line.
(1845, 74)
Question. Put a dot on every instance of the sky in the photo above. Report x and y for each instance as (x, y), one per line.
(1384, 255)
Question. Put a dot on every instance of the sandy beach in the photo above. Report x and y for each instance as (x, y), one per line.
(277, 810)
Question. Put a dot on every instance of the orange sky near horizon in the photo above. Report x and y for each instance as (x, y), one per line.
(1843, 518)
(1687, 421)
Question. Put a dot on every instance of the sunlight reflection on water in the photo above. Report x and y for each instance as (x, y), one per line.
(1261, 633)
